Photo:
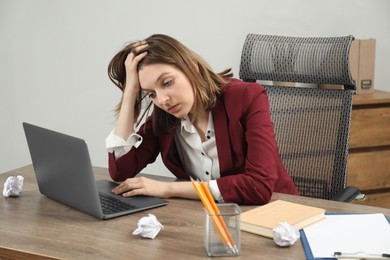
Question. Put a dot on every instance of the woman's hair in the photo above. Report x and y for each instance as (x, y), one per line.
(207, 85)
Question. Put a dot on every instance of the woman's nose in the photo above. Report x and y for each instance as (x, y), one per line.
(162, 99)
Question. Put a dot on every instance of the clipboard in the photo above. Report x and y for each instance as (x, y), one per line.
(308, 251)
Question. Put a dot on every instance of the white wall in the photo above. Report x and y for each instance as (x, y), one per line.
(54, 54)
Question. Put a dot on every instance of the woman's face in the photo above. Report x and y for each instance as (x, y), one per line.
(168, 87)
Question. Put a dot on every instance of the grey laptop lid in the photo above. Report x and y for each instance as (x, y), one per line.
(64, 173)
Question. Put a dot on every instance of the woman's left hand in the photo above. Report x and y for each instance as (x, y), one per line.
(143, 186)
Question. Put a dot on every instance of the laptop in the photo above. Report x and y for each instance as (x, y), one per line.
(64, 173)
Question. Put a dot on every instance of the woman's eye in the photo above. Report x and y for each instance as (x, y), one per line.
(151, 95)
(168, 83)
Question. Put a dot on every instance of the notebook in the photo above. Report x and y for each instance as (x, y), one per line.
(64, 173)
(263, 219)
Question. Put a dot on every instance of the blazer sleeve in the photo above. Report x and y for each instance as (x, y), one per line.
(136, 159)
(258, 169)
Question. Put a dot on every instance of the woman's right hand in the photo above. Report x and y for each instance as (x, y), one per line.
(125, 123)
(132, 85)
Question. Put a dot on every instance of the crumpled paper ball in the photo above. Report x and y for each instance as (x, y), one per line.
(285, 235)
(13, 186)
(148, 227)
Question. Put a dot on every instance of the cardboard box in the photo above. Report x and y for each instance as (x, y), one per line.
(362, 64)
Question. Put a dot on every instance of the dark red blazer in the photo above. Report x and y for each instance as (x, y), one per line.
(249, 161)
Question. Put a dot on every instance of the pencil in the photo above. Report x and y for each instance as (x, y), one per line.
(217, 220)
(217, 212)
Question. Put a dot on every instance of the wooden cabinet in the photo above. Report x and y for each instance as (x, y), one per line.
(369, 153)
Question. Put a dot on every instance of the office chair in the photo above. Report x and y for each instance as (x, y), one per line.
(311, 122)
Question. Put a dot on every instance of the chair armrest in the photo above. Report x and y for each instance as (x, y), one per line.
(347, 195)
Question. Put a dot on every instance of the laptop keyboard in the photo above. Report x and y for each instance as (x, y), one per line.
(111, 205)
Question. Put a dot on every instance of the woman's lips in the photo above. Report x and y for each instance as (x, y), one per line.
(173, 109)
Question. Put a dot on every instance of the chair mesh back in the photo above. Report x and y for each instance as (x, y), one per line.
(322, 60)
(311, 124)
(312, 132)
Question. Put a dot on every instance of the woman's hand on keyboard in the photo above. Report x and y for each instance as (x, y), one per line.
(145, 186)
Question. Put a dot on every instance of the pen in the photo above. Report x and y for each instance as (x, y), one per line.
(360, 255)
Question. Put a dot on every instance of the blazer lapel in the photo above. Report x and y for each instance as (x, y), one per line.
(221, 128)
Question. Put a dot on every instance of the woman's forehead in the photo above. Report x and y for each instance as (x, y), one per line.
(151, 74)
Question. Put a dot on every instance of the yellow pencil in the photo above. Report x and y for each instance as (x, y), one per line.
(217, 212)
(219, 225)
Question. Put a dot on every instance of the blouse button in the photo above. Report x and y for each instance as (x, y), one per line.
(207, 173)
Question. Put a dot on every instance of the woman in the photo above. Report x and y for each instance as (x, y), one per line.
(206, 125)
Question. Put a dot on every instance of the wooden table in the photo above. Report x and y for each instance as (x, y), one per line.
(33, 226)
